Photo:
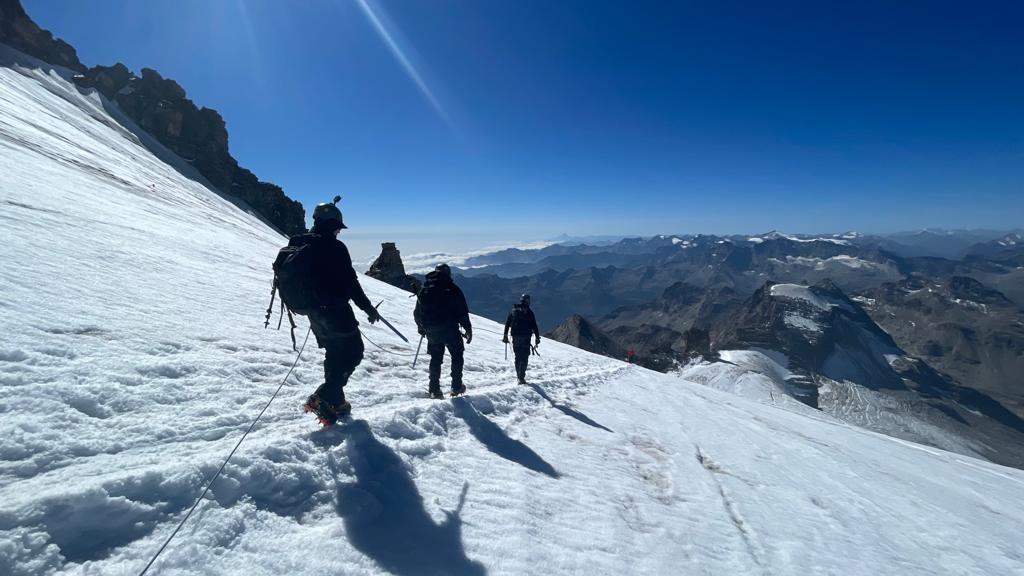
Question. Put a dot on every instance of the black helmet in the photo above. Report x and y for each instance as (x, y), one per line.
(443, 270)
(524, 299)
(327, 213)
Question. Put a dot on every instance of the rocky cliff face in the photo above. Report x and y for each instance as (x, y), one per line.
(18, 31)
(159, 105)
(579, 332)
(960, 326)
(388, 267)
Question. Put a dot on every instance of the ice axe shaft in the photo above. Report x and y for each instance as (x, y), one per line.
(388, 324)
(417, 356)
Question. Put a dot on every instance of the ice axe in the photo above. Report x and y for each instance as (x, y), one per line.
(417, 356)
(388, 324)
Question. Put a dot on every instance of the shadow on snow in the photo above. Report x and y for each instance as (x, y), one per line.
(494, 439)
(384, 514)
(569, 411)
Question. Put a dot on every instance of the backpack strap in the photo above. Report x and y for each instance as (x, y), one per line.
(292, 320)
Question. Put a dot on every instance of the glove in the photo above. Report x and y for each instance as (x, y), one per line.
(372, 315)
(421, 330)
(469, 335)
(505, 339)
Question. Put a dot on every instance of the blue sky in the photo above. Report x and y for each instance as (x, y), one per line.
(456, 123)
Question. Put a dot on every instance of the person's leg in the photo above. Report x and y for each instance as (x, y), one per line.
(342, 355)
(435, 347)
(457, 349)
(521, 347)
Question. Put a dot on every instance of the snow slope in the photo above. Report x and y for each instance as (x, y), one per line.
(133, 356)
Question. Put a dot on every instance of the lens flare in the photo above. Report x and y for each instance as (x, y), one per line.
(399, 55)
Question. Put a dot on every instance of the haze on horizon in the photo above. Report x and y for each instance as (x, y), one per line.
(462, 124)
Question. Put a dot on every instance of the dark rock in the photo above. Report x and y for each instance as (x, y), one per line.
(199, 135)
(19, 31)
(579, 332)
(388, 267)
(966, 329)
(697, 342)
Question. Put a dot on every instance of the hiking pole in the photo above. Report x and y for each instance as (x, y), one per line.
(417, 357)
(534, 348)
(388, 324)
(506, 349)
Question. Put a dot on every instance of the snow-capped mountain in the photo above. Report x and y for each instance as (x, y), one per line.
(134, 356)
(837, 359)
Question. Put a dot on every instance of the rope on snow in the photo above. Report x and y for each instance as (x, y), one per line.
(225, 463)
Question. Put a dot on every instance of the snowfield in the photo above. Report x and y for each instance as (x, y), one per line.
(797, 292)
(134, 356)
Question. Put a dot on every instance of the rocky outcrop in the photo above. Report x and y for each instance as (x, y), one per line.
(18, 31)
(160, 107)
(697, 343)
(388, 267)
(579, 332)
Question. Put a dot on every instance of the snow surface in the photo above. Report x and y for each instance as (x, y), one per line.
(798, 292)
(758, 375)
(802, 323)
(825, 263)
(133, 357)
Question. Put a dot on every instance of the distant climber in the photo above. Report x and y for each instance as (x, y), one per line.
(440, 310)
(315, 277)
(631, 356)
(522, 324)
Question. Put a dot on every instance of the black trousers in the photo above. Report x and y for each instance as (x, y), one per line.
(436, 344)
(521, 348)
(342, 353)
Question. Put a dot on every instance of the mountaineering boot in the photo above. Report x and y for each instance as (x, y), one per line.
(522, 379)
(458, 390)
(312, 403)
(329, 414)
(326, 413)
(435, 393)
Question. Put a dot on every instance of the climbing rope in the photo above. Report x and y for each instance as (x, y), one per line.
(233, 450)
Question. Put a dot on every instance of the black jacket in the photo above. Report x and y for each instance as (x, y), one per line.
(441, 305)
(336, 284)
(521, 322)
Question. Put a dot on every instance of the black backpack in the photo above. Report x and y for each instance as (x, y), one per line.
(520, 321)
(434, 299)
(295, 276)
(296, 280)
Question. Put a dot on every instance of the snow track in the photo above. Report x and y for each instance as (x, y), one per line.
(133, 356)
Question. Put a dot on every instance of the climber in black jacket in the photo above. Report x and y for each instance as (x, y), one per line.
(523, 324)
(440, 310)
